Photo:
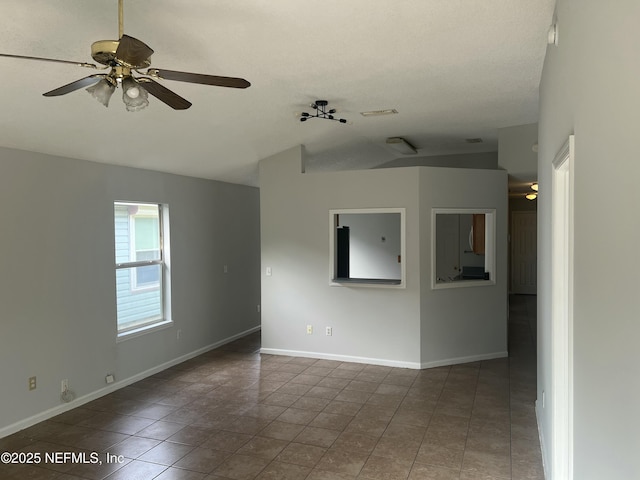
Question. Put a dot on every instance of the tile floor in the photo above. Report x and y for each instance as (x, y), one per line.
(234, 414)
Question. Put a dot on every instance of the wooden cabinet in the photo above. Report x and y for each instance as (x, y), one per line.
(478, 233)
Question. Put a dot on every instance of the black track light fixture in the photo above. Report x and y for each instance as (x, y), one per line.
(320, 106)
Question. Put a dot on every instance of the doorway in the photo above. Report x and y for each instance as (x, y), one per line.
(524, 252)
(562, 312)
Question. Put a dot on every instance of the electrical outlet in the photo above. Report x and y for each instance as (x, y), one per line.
(309, 329)
(226, 269)
(328, 331)
(258, 308)
(64, 385)
(32, 383)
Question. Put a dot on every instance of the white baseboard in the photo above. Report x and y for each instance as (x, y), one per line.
(57, 410)
(383, 361)
(542, 445)
(468, 359)
(340, 358)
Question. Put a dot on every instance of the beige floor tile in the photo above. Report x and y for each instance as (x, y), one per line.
(321, 437)
(342, 408)
(301, 454)
(297, 416)
(331, 421)
(267, 448)
(319, 474)
(379, 468)
(340, 461)
(172, 473)
(356, 442)
(484, 463)
(241, 467)
(391, 448)
(283, 471)
(281, 430)
(432, 472)
(440, 456)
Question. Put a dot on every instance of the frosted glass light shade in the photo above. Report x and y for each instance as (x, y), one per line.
(133, 95)
(102, 91)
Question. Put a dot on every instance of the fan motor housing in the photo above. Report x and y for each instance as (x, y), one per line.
(104, 52)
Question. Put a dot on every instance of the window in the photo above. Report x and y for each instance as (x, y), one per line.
(463, 247)
(367, 247)
(141, 266)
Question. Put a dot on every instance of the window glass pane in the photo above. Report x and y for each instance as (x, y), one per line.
(147, 237)
(147, 276)
(137, 307)
(137, 232)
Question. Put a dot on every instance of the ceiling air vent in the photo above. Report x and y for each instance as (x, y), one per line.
(377, 113)
(473, 140)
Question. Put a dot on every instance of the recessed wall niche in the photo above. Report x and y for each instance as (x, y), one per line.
(367, 247)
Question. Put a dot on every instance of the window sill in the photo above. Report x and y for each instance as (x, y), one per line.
(463, 284)
(367, 282)
(137, 332)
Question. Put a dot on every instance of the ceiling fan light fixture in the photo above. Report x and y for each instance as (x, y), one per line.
(102, 91)
(134, 96)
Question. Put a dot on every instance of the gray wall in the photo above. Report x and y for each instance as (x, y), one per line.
(515, 152)
(371, 323)
(411, 327)
(590, 88)
(459, 160)
(57, 278)
(468, 321)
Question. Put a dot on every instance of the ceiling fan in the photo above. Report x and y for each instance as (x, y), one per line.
(123, 57)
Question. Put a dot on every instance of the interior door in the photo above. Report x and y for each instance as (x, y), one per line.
(524, 248)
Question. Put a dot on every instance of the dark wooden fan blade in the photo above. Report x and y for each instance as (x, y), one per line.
(200, 78)
(43, 59)
(73, 86)
(132, 52)
(163, 94)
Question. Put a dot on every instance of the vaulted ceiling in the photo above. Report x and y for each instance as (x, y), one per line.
(452, 69)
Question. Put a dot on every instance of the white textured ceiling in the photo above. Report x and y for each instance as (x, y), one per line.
(453, 69)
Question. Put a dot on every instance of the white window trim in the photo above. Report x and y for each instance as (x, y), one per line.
(332, 245)
(164, 320)
(490, 248)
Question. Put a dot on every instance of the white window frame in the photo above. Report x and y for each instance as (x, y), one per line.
(490, 248)
(391, 283)
(164, 319)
